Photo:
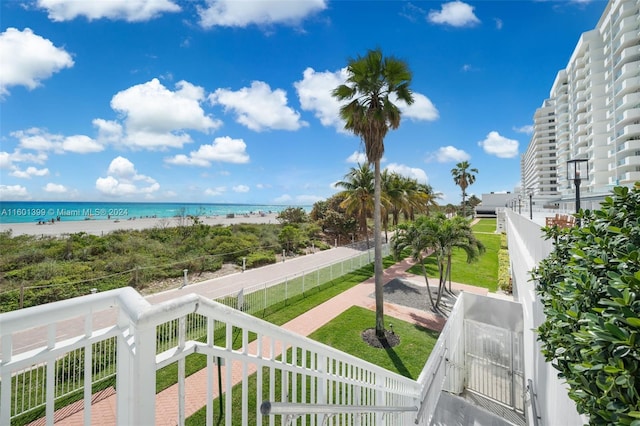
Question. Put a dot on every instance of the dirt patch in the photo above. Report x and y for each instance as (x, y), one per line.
(389, 340)
(170, 283)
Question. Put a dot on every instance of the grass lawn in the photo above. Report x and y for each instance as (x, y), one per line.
(407, 358)
(343, 333)
(483, 272)
(485, 225)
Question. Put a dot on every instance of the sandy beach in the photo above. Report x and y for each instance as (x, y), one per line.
(101, 227)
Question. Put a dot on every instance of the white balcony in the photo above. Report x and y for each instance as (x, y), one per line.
(299, 377)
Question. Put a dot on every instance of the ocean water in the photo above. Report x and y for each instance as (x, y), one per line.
(36, 211)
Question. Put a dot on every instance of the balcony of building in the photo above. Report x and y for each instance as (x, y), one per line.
(629, 116)
(475, 374)
(628, 70)
(631, 100)
(630, 85)
(630, 177)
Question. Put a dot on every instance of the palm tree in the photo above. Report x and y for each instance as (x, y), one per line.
(414, 237)
(463, 176)
(373, 84)
(358, 195)
(438, 236)
(456, 233)
(394, 198)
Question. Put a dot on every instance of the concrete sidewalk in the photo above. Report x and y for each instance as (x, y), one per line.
(104, 411)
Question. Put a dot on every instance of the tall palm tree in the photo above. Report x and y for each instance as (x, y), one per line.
(394, 198)
(455, 233)
(437, 235)
(463, 176)
(358, 194)
(374, 82)
(415, 237)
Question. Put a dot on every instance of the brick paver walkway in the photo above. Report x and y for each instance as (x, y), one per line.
(104, 411)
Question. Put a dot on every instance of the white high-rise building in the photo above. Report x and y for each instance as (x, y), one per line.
(539, 177)
(596, 112)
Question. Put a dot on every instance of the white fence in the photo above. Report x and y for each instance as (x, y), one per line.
(279, 366)
(257, 298)
(30, 382)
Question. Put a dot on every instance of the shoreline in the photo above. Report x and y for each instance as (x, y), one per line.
(104, 226)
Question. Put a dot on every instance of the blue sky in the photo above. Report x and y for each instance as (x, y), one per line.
(228, 101)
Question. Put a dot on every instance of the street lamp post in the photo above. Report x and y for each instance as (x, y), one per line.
(577, 170)
(530, 193)
(519, 204)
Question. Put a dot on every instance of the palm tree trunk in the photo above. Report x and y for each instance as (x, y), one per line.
(377, 242)
(441, 284)
(363, 224)
(426, 279)
(449, 271)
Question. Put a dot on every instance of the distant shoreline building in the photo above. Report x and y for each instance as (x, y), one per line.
(592, 115)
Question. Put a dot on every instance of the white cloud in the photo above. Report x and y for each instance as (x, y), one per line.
(40, 140)
(123, 180)
(27, 59)
(314, 92)
(241, 13)
(357, 158)
(410, 172)
(108, 131)
(7, 160)
(455, 13)
(29, 172)
(13, 192)
(499, 23)
(156, 117)
(258, 107)
(240, 188)
(283, 199)
(422, 109)
(81, 144)
(527, 129)
(449, 153)
(498, 145)
(309, 199)
(218, 190)
(223, 149)
(55, 188)
(128, 10)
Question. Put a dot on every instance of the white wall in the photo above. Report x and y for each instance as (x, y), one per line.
(527, 247)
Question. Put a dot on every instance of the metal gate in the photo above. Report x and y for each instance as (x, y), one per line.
(494, 363)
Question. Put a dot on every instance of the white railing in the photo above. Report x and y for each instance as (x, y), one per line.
(444, 369)
(256, 299)
(283, 366)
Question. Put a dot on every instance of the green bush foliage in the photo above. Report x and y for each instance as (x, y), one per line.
(504, 266)
(260, 258)
(589, 289)
(36, 270)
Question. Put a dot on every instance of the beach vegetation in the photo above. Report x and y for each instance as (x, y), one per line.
(292, 215)
(36, 270)
(373, 83)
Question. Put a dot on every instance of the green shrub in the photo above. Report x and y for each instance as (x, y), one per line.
(589, 288)
(259, 258)
(504, 271)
